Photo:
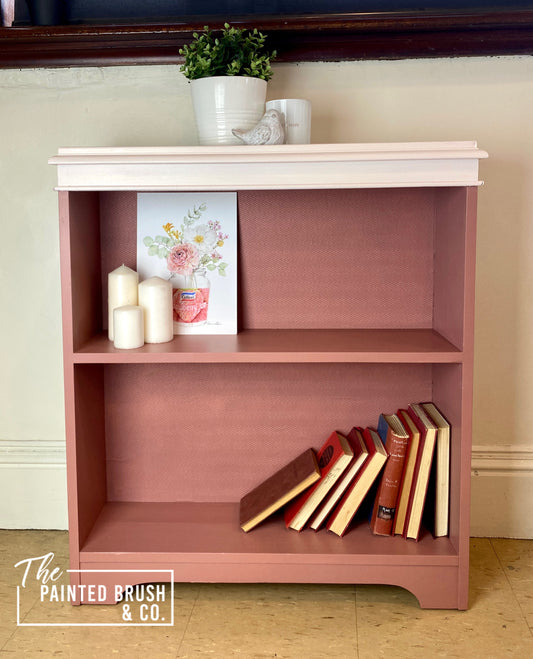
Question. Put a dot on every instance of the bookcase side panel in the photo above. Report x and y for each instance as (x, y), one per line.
(453, 389)
(452, 260)
(90, 463)
(84, 277)
(66, 288)
(452, 393)
(470, 280)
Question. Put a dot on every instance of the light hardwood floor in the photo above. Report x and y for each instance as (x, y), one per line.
(282, 621)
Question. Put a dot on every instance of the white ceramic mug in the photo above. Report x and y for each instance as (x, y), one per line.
(297, 116)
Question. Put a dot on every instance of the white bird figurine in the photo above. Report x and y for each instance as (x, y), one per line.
(269, 130)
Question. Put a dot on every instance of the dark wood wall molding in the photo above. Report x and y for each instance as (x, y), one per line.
(387, 35)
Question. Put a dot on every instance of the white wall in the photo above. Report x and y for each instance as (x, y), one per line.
(486, 99)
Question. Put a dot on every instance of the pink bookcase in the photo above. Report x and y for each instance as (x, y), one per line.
(356, 296)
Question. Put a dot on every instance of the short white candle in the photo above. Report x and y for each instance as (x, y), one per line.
(122, 285)
(155, 298)
(129, 327)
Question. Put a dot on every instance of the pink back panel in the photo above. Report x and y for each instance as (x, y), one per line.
(336, 258)
(360, 256)
(212, 432)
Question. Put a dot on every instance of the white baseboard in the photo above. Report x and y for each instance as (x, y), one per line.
(33, 493)
(33, 485)
(502, 482)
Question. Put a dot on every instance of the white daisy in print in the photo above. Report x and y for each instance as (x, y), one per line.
(202, 236)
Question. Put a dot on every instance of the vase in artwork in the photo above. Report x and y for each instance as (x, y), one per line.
(190, 300)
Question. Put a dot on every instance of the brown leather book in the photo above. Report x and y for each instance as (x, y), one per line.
(278, 489)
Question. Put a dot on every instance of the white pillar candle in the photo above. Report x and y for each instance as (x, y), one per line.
(155, 298)
(129, 327)
(122, 285)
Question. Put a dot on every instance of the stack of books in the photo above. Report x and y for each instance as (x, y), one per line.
(402, 468)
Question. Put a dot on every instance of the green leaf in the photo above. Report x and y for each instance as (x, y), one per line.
(162, 253)
(147, 240)
(153, 250)
(211, 266)
(208, 55)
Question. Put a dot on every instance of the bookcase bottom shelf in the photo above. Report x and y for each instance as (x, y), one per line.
(202, 542)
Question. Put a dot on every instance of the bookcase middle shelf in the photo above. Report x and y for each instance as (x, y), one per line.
(283, 345)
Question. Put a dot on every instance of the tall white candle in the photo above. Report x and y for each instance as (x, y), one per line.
(155, 298)
(122, 285)
(129, 327)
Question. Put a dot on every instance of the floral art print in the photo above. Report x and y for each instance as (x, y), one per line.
(191, 240)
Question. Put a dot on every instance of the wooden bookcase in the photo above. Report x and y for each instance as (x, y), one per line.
(356, 296)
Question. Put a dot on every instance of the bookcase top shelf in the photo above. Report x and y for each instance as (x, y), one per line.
(287, 166)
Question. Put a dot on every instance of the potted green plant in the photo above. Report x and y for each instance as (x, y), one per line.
(228, 71)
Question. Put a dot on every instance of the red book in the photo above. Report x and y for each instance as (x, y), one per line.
(402, 504)
(417, 499)
(360, 454)
(396, 439)
(342, 515)
(333, 458)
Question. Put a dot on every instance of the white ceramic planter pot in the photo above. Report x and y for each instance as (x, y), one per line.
(224, 102)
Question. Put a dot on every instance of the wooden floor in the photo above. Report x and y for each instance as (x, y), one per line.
(259, 621)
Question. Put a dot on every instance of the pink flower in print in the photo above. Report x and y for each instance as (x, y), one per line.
(183, 259)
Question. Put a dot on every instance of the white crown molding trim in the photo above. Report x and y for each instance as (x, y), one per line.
(21, 453)
(290, 166)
